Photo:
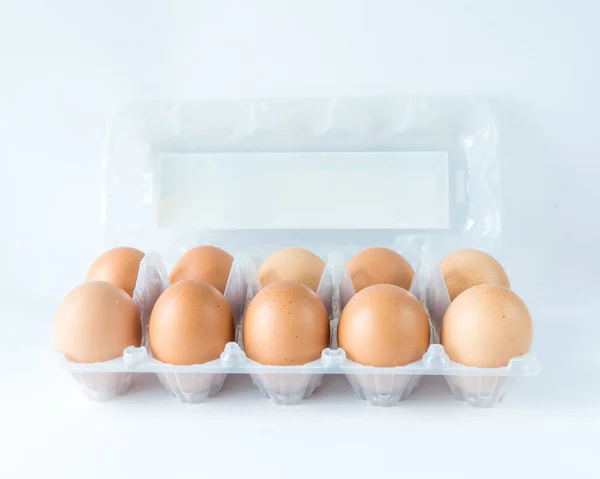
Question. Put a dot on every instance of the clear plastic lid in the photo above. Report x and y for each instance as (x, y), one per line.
(326, 174)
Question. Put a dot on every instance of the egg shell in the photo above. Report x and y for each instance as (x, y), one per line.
(292, 264)
(384, 325)
(486, 326)
(467, 268)
(204, 263)
(95, 322)
(119, 266)
(190, 324)
(380, 266)
(286, 324)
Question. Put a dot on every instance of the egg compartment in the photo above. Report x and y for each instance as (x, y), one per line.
(383, 390)
(485, 387)
(287, 388)
(387, 386)
(188, 383)
(479, 387)
(103, 386)
(289, 385)
(106, 380)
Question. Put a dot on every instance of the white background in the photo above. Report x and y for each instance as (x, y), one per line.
(64, 69)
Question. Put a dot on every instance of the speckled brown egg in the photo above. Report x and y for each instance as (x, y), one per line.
(486, 326)
(384, 325)
(190, 324)
(119, 266)
(467, 268)
(95, 322)
(380, 266)
(204, 263)
(286, 324)
(292, 264)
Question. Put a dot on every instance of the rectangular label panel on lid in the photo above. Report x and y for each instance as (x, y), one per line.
(304, 190)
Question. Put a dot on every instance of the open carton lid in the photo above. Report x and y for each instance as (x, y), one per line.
(412, 174)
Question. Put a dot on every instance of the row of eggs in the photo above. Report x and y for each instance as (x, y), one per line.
(286, 323)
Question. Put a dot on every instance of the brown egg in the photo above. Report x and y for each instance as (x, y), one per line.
(292, 264)
(190, 324)
(119, 266)
(285, 324)
(384, 325)
(95, 322)
(380, 266)
(467, 268)
(486, 326)
(204, 263)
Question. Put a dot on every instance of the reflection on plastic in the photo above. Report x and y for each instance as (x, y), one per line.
(479, 391)
(287, 389)
(383, 389)
(100, 386)
(152, 280)
(192, 387)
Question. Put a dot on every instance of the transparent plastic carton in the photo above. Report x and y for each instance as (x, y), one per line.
(417, 175)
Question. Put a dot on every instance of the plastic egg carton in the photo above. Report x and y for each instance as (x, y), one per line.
(288, 385)
(419, 175)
